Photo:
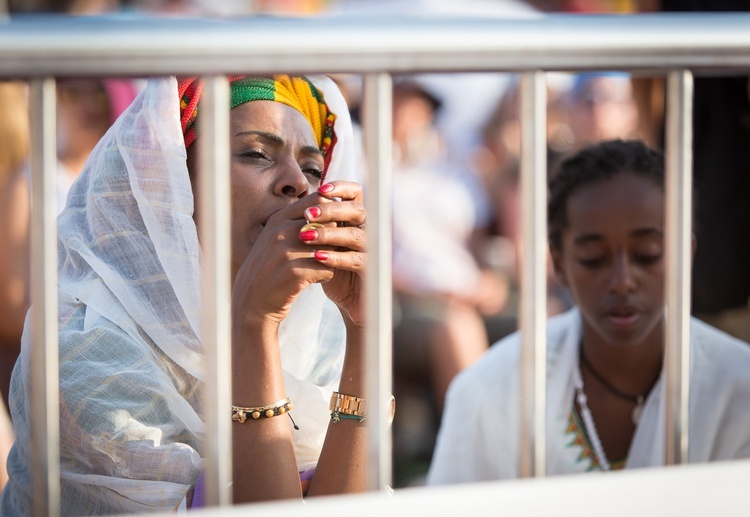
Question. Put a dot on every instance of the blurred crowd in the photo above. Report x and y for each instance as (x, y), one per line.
(456, 142)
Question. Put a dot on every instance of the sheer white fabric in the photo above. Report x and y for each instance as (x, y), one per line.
(130, 315)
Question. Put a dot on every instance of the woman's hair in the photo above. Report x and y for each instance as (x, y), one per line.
(594, 164)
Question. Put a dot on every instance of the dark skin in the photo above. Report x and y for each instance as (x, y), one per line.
(276, 173)
(612, 260)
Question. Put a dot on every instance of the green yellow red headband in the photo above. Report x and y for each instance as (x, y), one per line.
(294, 91)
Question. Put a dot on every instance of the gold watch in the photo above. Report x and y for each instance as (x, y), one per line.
(355, 406)
(348, 404)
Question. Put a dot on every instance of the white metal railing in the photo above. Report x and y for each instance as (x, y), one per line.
(697, 491)
(215, 243)
(533, 303)
(378, 91)
(44, 357)
(40, 48)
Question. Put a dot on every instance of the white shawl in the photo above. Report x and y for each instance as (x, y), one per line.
(478, 439)
(130, 311)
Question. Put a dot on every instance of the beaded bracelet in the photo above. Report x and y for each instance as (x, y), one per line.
(240, 414)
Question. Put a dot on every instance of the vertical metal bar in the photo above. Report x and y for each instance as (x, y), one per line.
(214, 220)
(378, 336)
(679, 186)
(45, 405)
(533, 273)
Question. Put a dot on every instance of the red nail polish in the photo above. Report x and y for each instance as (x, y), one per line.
(323, 189)
(321, 255)
(312, 212)
(308, 235)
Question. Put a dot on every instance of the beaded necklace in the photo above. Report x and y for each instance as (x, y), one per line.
(579, 438)
(588, 424)
(588, 418)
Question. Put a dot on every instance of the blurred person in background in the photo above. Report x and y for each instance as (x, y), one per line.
(85, 110)
(14, 214)
(497, 162)
(602, 106)
(14, 221)
(442, 290)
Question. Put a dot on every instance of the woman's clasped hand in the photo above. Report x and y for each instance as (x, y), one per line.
(291, 254)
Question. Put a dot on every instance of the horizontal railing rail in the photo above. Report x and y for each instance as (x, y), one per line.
(695, 491)
(30, 46)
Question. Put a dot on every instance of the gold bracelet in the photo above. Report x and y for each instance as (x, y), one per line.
(240, 414)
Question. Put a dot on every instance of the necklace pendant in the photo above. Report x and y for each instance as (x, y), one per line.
(635, 416)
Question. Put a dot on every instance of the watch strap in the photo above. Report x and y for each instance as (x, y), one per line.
(348, 404)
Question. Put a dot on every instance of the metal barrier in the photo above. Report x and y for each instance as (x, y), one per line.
(43, 48)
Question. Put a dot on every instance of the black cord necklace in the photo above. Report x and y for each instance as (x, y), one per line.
(638, 400)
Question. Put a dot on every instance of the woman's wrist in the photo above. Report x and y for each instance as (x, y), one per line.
(255, 348)
(255, 320)
(353, 370)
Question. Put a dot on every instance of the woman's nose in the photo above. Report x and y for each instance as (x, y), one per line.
(291, 181)
(623, 280)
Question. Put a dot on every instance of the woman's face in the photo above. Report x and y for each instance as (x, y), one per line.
(275, 161)
(612, 259)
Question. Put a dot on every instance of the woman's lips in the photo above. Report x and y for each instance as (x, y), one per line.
(623, 317)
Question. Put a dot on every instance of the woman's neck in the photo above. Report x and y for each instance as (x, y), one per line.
(632, 369)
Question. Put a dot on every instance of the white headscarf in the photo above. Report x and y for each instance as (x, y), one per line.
(130, 310)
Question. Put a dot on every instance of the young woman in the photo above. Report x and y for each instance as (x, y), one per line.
(130, 309)
(605, 401)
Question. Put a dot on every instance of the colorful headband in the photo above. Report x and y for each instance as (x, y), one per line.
(297, 92)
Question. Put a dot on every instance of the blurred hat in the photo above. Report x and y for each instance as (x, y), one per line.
(418, 86)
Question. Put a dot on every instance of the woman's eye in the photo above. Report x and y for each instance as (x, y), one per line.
(255, 154)
(592, 263)
(315, 172)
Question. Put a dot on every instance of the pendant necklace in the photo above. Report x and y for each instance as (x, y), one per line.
(638, 400)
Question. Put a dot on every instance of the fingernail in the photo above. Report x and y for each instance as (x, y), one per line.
(308, 235)
(312, 213)
(323, 189)
(321, 255)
